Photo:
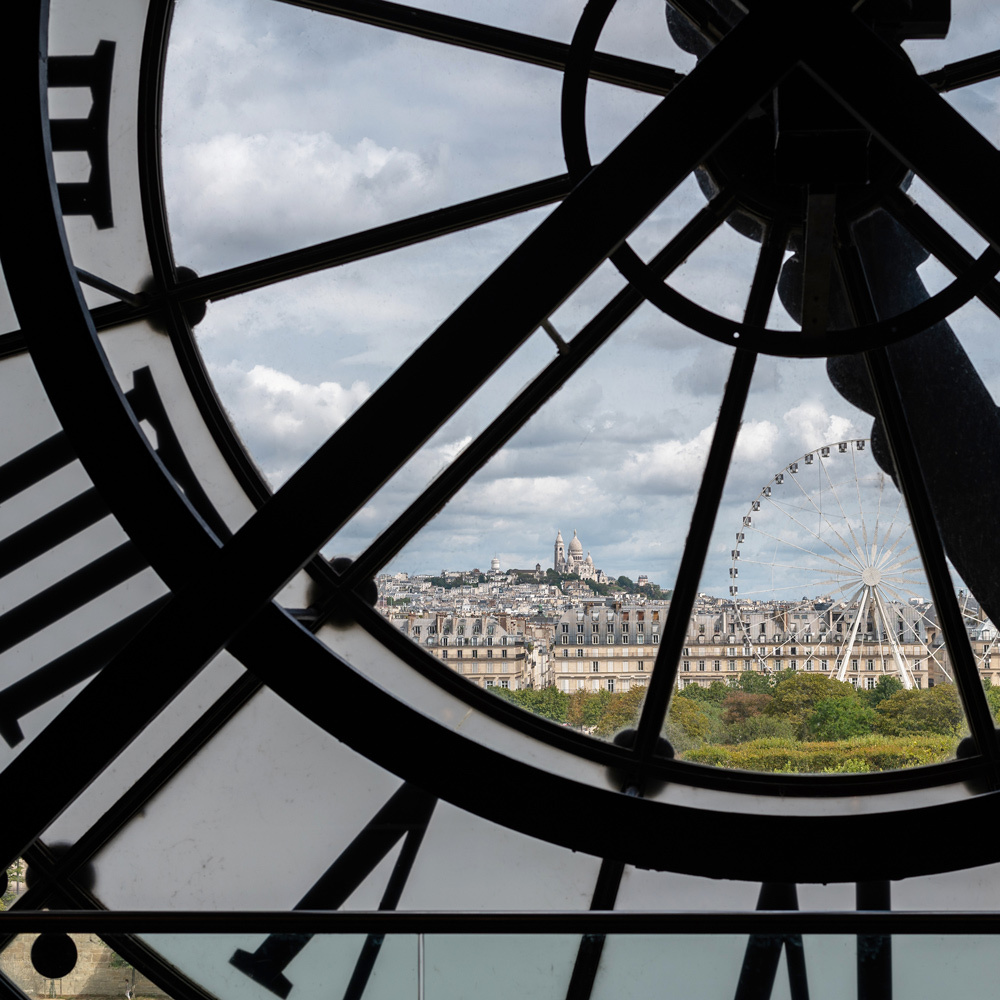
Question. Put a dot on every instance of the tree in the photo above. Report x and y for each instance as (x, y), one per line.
(755, 683)
(797, 693)
(886, 688)
(740, 705)
(716, 692)
(840, 719)
(548, 702)
(758, 727)
(621, 712)
(935, 710)
(687, 725)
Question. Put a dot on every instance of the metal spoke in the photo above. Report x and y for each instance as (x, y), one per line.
(815, 535)
(965, 72)
(706, 508)
(516, 45)
(801, 548)
(825, 519)
(934, 238)
(961, 166)
(836, 496)
(528, 401)
(379, 240)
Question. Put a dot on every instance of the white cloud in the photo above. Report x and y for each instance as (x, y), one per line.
(249, 192)
(282, 421)
(756, 442)
(810, 425)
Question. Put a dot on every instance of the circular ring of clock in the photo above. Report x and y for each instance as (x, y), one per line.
(238, 572)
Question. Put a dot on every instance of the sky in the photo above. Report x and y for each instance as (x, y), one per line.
(283, 127)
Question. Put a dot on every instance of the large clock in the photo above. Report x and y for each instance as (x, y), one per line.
(211, 712)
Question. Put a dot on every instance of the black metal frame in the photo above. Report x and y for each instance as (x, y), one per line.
(598, 209)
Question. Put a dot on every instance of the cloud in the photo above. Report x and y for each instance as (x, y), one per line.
(810, 425)
(282, 421)
(245, 192)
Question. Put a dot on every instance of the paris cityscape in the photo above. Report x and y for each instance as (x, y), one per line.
(558, 639)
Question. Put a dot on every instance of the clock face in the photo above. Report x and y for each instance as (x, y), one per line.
(192, 689)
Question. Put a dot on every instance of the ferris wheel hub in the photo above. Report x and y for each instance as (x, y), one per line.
(871, 576)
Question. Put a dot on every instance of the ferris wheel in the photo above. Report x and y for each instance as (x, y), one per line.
(826, 575)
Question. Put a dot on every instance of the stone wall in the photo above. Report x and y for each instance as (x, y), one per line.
(93, 976)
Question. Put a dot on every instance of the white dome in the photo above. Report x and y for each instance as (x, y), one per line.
(575, 545)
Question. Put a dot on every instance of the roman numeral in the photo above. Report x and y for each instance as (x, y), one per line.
(405, 814)
(90, 581)
(89, 135)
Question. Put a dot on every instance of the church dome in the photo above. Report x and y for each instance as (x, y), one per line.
(590, 562)
(575, 545)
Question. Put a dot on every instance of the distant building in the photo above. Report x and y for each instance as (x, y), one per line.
(572, 560)
(767, 636)
(599, 647)
(486, 650)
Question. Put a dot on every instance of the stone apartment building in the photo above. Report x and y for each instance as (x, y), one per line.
(489, 651)
(606, 647)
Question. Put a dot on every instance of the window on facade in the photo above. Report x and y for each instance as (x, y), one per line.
(460, 654)
(475, 654)
(716, 664)
(579, 652)
(579, 640)
(641, 665)
(732, 664)
(611, 683)
(565, 652)
(503, 653)
(595, 666)
(793, 665)
(489, 654)
(565, 639)
(686, 665)
(701, 664)
(504, 683)
(625, 639)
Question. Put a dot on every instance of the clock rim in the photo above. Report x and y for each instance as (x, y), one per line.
(557, 802)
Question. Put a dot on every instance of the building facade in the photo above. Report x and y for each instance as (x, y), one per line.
(488, 651)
